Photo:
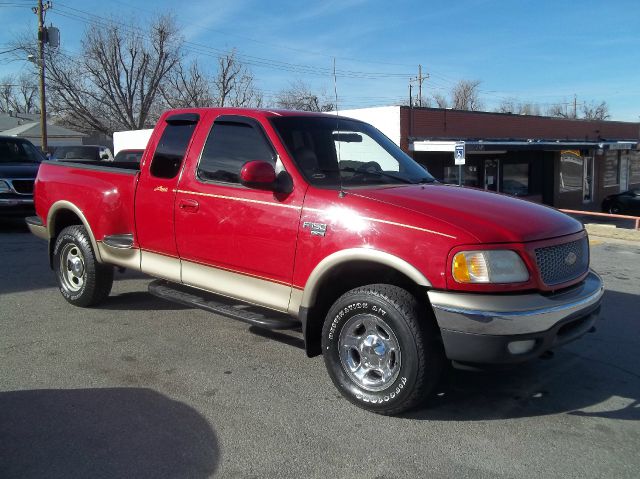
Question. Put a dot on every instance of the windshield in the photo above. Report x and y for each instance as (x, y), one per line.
(18, 151)
(330, 151)
(76, 153)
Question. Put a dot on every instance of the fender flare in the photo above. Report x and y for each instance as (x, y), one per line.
(61, 205)
(325, 266)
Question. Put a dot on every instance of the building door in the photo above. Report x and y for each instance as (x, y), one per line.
(587, 180)
(491, 175)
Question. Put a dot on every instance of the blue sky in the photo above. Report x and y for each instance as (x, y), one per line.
(535, 51)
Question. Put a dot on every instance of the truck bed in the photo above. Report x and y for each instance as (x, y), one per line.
(104, 193)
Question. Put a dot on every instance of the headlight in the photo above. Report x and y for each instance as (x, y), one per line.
(491, 266)
(4, 187)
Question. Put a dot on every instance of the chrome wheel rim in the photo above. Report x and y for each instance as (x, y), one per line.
(369, 352)
(72, 268)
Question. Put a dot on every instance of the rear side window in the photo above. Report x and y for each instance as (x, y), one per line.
(171, 150)
(229, 146)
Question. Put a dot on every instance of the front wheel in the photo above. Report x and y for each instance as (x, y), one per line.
(381, 350)
(81, 279)
(615, 209)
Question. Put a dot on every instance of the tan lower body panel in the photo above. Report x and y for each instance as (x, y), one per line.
(159, 265)
(125, 257)
(245, 288)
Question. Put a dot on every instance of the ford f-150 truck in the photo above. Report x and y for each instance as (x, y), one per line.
(321, 223)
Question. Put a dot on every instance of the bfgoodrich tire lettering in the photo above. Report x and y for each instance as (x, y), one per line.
(81, 279)
(380, 349)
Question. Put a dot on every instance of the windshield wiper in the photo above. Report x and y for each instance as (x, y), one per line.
(378, 173)
(424, 180)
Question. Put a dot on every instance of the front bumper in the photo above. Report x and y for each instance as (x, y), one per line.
(16, 206)
(481, 328)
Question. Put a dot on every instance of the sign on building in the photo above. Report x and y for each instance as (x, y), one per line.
(458, 153)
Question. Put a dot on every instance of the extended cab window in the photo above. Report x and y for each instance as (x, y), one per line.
(229, 146)
(171, 149)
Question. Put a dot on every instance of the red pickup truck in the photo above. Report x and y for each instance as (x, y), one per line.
(312, 221)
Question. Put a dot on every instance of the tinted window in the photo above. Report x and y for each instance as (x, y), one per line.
(333, 152)
(129, 155)
(171, 149)
(229, 146)
(76, 153)
(17, 151)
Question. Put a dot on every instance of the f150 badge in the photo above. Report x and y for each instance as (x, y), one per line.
(317, 229)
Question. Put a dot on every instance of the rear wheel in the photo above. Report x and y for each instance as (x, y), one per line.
(81, 279)
(380, 349)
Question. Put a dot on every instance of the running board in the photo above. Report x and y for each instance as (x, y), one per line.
(214, 303)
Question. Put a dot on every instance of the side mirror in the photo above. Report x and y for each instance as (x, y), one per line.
(258, 174)
(262, 175)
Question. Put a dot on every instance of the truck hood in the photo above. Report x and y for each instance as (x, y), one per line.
(19, 170)
(489, 217)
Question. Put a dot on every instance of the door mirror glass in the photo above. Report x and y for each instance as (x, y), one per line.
(258, 174)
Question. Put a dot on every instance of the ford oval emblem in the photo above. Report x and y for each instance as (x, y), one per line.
(570, 259)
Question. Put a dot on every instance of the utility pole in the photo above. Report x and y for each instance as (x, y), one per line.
(575, 106)
(419, 79)
(42, 39)
(420, 85)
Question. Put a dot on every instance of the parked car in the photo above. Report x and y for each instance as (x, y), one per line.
(132, 156)
(626, 203)
(291, 220)
(82, 153)
(19, 163)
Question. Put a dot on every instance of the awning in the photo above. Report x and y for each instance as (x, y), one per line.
(484, 146)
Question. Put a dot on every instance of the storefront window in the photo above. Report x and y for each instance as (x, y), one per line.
(469, 175)
(611, 169)
(515, 179)
(571, 171)
(634, 167)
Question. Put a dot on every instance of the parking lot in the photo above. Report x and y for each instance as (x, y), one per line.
(145, 388)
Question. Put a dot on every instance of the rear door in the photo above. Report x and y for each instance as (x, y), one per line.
(156, 193)
(235, 240)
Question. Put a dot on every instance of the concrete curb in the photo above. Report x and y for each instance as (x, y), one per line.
(604, 231)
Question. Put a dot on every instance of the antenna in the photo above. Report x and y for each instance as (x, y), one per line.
(342, 193)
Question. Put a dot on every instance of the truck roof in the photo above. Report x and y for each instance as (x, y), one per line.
(251, 112)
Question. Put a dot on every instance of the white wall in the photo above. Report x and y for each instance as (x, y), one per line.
(130, 140)
(384, 118)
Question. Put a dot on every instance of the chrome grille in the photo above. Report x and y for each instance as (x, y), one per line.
(23, 187)
(563, 262)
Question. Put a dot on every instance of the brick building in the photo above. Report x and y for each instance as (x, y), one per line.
(560, 162)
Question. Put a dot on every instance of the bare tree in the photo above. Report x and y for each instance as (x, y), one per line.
(7, 93)
(19, 94)
(299, 96)
(465, 95)
(234, 83)
(114, 83)
(561, 110)
(512, 105)
(441, 100)
(28, 94)
(595, 112)
(187, 87)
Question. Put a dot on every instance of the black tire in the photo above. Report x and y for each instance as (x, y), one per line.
(82, 280)
(615, 209)
(398, 319)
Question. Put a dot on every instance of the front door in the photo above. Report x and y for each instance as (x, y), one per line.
(235, 240)
(156, 193)
(491, 175)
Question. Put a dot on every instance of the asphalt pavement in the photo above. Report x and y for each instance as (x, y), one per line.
(140, 387)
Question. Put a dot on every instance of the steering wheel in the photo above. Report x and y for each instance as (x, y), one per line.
(369, 167)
